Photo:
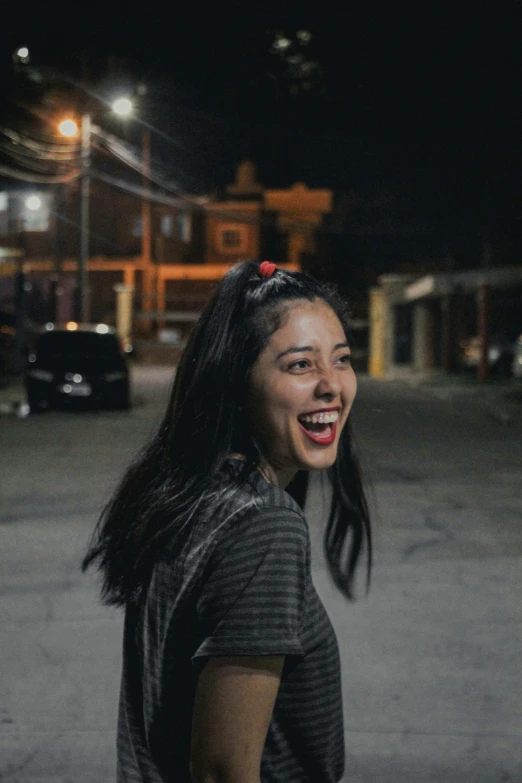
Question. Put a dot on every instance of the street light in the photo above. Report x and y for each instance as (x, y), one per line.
(68, 128)
(122, 106)
(21, 55)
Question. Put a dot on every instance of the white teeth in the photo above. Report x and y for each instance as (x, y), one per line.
(321, 418)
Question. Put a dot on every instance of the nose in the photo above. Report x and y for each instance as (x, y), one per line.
(328, 386)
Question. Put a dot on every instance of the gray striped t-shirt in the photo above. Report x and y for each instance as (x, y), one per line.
(239, 585)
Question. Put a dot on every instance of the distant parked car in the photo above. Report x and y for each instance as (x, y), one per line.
(77, 365)
(500, 354)
(516, 366)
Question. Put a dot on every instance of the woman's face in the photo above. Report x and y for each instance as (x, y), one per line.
(301, 389)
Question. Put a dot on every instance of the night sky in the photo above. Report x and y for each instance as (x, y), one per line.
(422, 99)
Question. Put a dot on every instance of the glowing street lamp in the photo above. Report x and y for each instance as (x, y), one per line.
(68, 128)
(122, 106)
(21, 55)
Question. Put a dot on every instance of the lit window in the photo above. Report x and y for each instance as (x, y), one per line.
(232, 239)
(184, 227)
(35, 212)
(4, 223)
(166, 225)
(137, 227)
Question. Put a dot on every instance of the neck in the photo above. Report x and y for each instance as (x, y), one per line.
(279, 477)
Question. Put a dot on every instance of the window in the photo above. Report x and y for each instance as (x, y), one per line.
(4, 215)
(184, 227)
(232, 239)
(137, 227)
(166, 224)
(35, 212)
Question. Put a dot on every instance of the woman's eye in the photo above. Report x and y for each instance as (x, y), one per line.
(345, 358)
(302, 364)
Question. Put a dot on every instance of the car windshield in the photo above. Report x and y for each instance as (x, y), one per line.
(87, 350)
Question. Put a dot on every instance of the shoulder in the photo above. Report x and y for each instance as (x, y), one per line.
(252, 495)
(276, 498)
(266, 530)
(239, 511)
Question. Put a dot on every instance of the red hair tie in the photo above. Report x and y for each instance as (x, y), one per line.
(267, 269)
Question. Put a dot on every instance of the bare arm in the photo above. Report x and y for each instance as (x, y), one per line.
(233, 706)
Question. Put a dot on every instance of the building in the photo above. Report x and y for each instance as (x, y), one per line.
(171, 254)
(417, 322)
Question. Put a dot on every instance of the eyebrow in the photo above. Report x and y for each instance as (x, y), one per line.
(307, 348)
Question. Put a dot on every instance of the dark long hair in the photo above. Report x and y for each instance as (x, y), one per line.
(205, 421)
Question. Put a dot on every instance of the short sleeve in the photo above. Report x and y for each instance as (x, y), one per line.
(252, 601)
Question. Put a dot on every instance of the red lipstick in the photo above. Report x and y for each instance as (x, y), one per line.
(321, 441)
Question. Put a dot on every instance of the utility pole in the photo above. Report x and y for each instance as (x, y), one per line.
(83, 258)
(146, 232)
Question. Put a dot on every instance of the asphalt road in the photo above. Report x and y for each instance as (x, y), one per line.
(431, 659)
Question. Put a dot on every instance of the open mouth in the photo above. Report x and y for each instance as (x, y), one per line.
(320, 427)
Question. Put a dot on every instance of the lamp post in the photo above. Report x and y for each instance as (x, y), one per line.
(83, 257)
(123, 107)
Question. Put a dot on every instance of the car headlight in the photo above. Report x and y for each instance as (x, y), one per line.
(115, 376)
(40, 375)
(494, 354)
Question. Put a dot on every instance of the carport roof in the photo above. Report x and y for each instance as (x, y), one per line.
(438, 285)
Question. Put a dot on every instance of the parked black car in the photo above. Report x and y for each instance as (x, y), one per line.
(77, 365)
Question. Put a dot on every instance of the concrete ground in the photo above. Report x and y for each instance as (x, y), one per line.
(431, 658)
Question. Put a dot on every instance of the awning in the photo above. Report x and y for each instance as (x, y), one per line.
(439, 285)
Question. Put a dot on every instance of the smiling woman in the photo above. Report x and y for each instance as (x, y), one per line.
(231, 667)
(301, 390)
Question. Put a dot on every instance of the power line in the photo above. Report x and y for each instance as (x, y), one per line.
(124, 153)
(34, 164)
(36, 146)
(155, 197)
(25, 176)
(141, 192)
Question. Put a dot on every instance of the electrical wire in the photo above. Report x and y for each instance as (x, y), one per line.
(8, 171)
(153, 196)
(127, 155)
(36, 165)
(145, 194)
(45, 147)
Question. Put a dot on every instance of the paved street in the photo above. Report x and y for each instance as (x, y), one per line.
(431, 659)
